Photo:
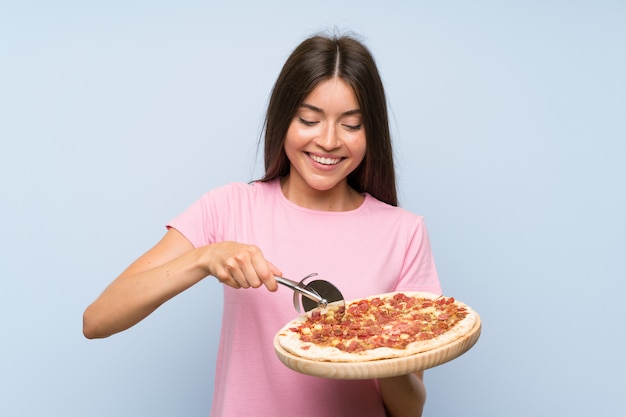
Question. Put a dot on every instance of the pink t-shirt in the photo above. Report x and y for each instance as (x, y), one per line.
(374, 249)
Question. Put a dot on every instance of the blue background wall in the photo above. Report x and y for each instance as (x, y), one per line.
(509, 127)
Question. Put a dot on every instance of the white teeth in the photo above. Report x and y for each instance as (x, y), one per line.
(325, 161)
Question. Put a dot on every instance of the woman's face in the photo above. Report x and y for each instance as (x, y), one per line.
(326, 139)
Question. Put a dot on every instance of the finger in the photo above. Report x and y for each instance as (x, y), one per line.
(275, 271)
(263, 272)
(225, 277)
(232, 283)
(252, 276)
(267, 271)
(240, 278)
(240, 269)
(234, 275)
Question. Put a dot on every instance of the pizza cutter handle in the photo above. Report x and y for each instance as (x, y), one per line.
(308, 292)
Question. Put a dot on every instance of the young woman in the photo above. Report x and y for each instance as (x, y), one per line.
(327, 204)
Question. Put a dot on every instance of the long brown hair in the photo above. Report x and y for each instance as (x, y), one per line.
(315, 60)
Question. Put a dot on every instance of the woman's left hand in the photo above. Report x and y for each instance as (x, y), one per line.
(405, 395)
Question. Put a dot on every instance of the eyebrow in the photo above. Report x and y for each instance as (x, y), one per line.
(318, 110)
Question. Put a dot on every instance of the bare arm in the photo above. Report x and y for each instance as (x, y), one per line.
(405, 395)
(169, 268)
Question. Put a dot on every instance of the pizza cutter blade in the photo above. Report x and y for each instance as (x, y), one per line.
(306, 292)
(317, 294)
(332, 295)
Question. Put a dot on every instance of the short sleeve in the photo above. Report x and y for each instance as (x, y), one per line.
(419, 272)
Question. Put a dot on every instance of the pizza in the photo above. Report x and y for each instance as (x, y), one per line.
(391, 325)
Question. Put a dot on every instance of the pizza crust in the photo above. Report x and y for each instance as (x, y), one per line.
(291, 342)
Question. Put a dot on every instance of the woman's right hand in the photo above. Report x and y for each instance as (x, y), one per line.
(170, 267)
(240, 265)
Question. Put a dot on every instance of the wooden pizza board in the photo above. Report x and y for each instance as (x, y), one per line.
(383, 368)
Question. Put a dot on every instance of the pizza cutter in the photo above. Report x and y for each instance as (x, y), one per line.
(317, 294)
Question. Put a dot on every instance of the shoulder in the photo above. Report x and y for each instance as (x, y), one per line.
(238, 191)
(394, 214)
(397, 222)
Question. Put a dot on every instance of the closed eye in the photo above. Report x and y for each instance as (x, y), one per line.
(307, 122)
(353, 128)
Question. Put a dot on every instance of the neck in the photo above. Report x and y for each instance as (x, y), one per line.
(341, 197)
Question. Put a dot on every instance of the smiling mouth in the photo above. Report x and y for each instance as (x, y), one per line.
(325, 161)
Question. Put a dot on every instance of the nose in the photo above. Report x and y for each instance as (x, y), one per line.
(328, 138)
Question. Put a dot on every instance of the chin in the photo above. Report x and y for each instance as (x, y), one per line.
(323, 186)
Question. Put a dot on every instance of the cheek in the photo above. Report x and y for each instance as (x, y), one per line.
(359, 148)
(293, 144)
(295, 137)
(290, 140)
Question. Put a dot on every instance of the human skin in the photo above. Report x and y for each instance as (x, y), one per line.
(324, 143)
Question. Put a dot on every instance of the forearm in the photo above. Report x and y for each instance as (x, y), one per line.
(404, 396)
(169, 268)
(137, 292)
